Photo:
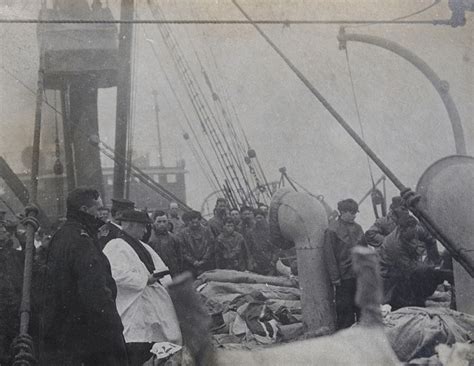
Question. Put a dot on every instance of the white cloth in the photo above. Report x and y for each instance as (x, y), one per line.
(147, 311)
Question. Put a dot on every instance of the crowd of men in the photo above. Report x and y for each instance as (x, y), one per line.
(101, 277)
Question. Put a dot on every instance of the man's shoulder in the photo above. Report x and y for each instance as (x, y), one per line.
(115, 246)
(238, 235)
(214, 220)
(391, 241)
(117, 242)
(173, 236)
(334, 225)
(183, 232)
(358, 227)
(72, 230)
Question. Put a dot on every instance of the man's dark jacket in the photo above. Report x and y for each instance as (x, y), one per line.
(168, 248)
(339, 240)
(79, 316)
(11, 279)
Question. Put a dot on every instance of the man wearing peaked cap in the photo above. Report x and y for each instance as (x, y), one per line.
(132, 215)
(111, 229)
(121, 204)
(143, 301)
(340, 238)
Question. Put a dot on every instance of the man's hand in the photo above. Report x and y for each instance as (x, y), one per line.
(411, 198)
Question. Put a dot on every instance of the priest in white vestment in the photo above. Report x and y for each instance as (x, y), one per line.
(143, 302)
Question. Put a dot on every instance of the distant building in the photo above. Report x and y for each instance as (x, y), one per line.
(50, 186)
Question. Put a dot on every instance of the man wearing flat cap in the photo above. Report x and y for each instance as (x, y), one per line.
(340, 238)
(385, 225)
(197, 246)
(112, 229)
(407, 280)
(143, 301)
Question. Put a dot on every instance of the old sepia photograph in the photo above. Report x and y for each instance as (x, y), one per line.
(236, 182)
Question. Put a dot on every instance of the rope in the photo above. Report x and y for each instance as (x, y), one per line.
(327, 105)
(222, 22)
(190, 125)
(237, 146)
(435, 2)
(202, 108)
(358, 115)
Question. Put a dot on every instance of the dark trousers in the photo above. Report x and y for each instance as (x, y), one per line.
(346, 310)
(138, 353)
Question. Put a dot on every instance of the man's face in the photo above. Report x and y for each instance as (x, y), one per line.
(94, 209)
(247, 216)
(348, 216)
(264, 208)
(235, 215)
(174, 210)
(259, 219)
(135, 229)
(195, 224)
(161, 224)
(399, 212)
(104, 215)
(221, 207)
(229, 228)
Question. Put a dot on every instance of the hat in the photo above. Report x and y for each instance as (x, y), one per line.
(185, 216)
(348, 205)
(134, 216)
(194, 215)
(397, 202)
(120, 204)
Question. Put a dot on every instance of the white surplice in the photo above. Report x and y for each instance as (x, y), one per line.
(147, 311)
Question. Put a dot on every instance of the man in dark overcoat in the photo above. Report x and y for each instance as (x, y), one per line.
(79, 322)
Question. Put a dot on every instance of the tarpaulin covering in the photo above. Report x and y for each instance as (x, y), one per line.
(251, 307)
(415, 332)
(227, 275)
(226, 291)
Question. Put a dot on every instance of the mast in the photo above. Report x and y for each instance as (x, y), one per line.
(157, 111)
(123, 95)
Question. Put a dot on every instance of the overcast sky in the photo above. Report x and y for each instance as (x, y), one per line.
(403, 117)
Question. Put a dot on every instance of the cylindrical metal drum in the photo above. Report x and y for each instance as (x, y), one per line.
(447, 191)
